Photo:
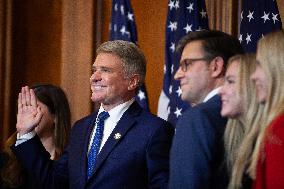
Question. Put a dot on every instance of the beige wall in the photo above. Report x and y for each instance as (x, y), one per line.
(51, 41)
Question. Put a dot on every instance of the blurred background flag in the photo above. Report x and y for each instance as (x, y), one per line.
(123, 27)
(258, 17)
(183, 17)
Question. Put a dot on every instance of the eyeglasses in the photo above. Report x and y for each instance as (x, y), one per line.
(187, 63)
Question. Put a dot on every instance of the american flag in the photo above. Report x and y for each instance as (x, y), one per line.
(258, 17)
(183, 17)
(123, 27)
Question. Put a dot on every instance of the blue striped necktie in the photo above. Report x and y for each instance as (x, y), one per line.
(92, 157)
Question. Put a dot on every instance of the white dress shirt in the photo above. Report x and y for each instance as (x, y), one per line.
(114, 116)
(211, 94)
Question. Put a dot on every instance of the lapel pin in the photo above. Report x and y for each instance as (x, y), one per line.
(117, 136)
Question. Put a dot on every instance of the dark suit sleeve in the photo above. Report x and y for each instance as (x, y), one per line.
(197, 150)
(158, 156)
(33, 156)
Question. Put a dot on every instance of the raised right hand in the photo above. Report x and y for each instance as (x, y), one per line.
(29, 113)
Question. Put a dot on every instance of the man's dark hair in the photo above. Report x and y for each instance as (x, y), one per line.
(215, 43)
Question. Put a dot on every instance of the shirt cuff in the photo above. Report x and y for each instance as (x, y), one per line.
(24, 138)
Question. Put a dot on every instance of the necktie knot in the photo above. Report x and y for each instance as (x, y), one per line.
(103, 116)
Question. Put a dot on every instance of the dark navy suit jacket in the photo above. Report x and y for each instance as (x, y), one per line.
(197, 153)
(139, 159)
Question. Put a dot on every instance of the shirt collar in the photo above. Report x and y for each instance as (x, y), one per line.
(119, 110)
(211, 94)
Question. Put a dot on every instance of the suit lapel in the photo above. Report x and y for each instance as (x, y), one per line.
(126, 122)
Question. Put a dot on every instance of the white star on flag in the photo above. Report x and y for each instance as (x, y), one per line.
(265, 17)
(250, 15)
(170, 89)
(248, 38)
(242, 15)
(172, 47)
(115, 7)
(141, 95)
(178, 112)
(203, 13)
(123, 30)
(241, 38)
(173, 26)
(190, 7)
(172, 69)
(171, 5)
(177, 4)
(122, 9)
(274, 17)
(130, 16)
(179, 91)
(188, 28)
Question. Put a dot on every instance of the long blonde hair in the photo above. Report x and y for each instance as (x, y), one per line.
(241, 132)
(270, 55)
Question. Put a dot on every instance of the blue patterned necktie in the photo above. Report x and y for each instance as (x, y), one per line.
(92, 157)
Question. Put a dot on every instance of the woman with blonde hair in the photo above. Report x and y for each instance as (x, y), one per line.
(240, 105)
(53, 130)
(268, 157)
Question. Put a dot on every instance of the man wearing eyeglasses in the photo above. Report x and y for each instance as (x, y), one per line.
(197, 152)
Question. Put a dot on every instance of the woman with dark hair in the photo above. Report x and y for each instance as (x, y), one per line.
(53, 131)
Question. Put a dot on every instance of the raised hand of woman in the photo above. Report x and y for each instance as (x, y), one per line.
(29, 113)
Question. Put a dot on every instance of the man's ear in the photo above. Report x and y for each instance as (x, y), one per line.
(217, 67)
(134, 82)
